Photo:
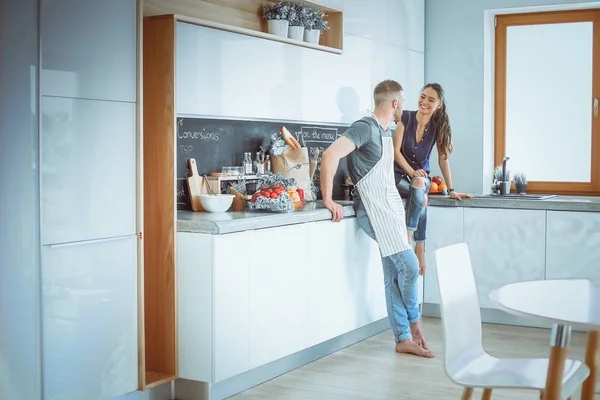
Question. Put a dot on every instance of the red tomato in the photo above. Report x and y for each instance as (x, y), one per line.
(274, 195)
(263, 187)
(267, 195)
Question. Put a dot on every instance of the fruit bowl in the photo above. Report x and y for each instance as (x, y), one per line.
(216, 203)
(277, 193)
(437, 185)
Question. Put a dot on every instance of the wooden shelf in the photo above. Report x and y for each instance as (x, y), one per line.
(158, 278)
(159, 362)
(154, 379)
(245, 17)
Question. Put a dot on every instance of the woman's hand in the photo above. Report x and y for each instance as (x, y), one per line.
(419, 172)
(460, 196)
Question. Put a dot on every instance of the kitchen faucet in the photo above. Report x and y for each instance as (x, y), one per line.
(504, 177)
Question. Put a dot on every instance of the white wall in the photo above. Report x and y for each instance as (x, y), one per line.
(455, 36)
(225, 74)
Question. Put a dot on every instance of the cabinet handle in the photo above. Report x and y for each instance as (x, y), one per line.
(595, 107)
(94, 241)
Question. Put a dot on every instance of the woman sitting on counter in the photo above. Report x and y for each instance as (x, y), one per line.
(414, 139)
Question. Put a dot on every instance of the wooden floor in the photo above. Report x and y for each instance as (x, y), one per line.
(370, 370)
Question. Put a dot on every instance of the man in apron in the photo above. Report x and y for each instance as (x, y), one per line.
(368, 144)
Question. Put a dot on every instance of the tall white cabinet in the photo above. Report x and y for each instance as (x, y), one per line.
(88, 198)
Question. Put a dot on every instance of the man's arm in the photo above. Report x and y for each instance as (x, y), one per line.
(329, 165)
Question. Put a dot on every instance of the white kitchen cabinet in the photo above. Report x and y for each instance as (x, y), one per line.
(405, 24)
(250, 298)
(89, 49)
(232, 258)
(363, 263)
(444, 228)
(213, 305)
(506, 246)
(400, 23)
(408, 68)
(402, 65)
(195, 302)
(572, 243)
(88, 169)
(345, 279)
(278, 293)
(340, 295)
(365, 21)
(89, 319)
(344, 96)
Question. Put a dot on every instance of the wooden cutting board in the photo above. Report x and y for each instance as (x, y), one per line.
(195, 183)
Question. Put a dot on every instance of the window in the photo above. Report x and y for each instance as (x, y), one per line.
(547, 88)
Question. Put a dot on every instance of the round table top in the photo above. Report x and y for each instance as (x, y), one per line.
(574, 302)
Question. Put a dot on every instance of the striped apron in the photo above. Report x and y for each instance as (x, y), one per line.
(383, 204)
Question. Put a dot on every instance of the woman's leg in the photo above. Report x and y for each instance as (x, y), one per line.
(420, 241)
(415, 192)
(412, 208)
(420, 233)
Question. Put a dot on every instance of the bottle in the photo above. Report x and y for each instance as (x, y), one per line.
(257, 164)
(268, 164)
(248, 163)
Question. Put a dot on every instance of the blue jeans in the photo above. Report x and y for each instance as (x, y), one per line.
(416, 211)
(400, 277)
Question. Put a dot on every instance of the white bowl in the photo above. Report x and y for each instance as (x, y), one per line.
(216, 203)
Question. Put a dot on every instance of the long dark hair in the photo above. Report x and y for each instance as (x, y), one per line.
(441, 121)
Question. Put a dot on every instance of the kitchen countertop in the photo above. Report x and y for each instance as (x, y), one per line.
(558, 203)
(230, 222)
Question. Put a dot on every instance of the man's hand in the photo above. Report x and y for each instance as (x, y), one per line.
(337, 212)
(419, 172)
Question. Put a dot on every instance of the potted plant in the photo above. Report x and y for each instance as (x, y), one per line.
(520, 182)
(277, 17)
(315, 24)
(298, 18)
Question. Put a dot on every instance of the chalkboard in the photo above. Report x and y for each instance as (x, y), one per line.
(217, 143)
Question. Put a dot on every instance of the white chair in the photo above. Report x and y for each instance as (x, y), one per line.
(465, 361)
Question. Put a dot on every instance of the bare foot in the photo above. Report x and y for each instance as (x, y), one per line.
(420, 252)
(417, 334)
(410, 347)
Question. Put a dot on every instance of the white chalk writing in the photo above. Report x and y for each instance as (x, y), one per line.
(202, 135)
(316, 134)
(186, 149)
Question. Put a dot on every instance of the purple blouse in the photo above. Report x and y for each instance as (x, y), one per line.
(416, 154)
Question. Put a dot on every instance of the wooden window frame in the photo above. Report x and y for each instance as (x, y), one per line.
(502, 23)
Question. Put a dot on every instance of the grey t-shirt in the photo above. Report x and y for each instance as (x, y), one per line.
(366, 134)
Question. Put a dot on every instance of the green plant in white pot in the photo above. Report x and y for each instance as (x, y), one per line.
(277, 17)
(298, 18)
(315, 24)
